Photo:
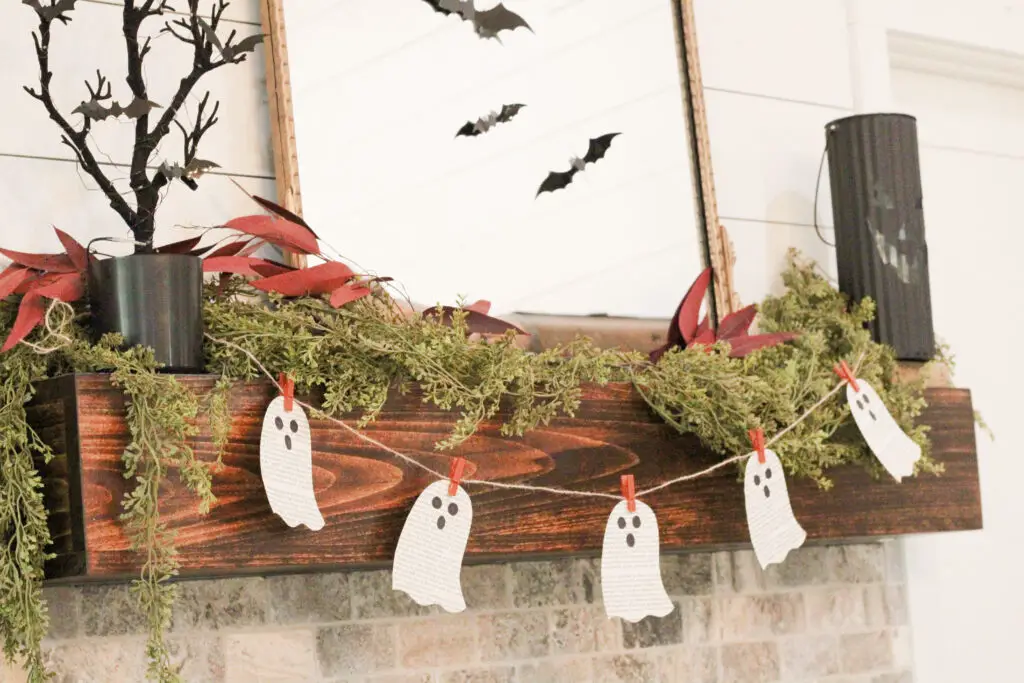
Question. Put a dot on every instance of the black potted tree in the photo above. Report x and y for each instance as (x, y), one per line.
(152, 297)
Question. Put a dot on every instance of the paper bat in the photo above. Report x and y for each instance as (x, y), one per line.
(596, 151)
(231, 51)
(51, 12)
(507, 113)
(187, 173)
(487, 23)
(95, 110)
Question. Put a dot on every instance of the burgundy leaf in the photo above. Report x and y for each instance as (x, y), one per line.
(481, 306)
(704, 335)
(37, 280)
(347, 294)
(476, 322)
(736, 324)
(320, 279)
(229, 249)
(68, 287)
(12, 278)
(265, 268)
(51, 263)
(76, 252)
(30, 314)
(182, 247)
(282, 212)
(657, 353)
(241, 265)
(689, 308)
(278, 231)
(741, 346)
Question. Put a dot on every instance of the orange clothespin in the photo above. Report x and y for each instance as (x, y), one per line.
(844, 371)
(287, 390)
(757, 439)
(455, 475)
(629, 491)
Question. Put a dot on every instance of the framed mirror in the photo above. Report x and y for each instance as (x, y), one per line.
(549, 156)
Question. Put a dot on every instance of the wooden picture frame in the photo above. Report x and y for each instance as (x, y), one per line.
(718, 251)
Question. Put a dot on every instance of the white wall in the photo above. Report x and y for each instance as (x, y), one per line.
(803, 62)
(380, 90)
(41, 184)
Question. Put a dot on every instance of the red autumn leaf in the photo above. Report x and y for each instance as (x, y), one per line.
(182, 247)
(704, 335)
(76, 252)
(476, 323)
(480, 306)
(320, 279)
(278, 231)
(736, 324)
(265, 268)
(689, 307)
(30, 314)
(37, 280)
(241, 265)
(348, 293)
(51, 263)
(229, 249)
(282, 212)
(67, 287)
(741, 346)
(14, 277)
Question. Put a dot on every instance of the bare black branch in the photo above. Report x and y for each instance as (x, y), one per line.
(210, 52)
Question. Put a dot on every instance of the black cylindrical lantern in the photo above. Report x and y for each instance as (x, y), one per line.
(879, 226)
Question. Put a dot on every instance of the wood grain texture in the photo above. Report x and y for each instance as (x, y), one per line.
(365, 494)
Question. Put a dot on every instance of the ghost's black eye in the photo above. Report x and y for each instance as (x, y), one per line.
(295, 426)
(768, 473)
(866, 399)
(622, 522)
(859, 404)
(636, 522)
(279, 423)
(453, 509)
(757, 480)
(436, 503)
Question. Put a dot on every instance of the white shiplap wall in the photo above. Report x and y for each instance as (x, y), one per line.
(380, 90)
(41, 184)
(774, 74)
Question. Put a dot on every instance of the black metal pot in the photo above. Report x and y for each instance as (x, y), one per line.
(153, 300)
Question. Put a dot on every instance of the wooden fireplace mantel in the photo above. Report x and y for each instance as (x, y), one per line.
(365, 494)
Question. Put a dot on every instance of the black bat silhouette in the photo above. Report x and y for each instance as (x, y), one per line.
(54, 11)
(232, 50)
(473, 128)
(596, 151)
(95, 110)
(487, 23)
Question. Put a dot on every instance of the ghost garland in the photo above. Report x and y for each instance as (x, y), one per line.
(428, 558)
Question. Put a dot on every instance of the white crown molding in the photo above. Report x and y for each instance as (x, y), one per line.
(914, 52)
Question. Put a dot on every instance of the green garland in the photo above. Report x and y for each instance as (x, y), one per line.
(358, 354)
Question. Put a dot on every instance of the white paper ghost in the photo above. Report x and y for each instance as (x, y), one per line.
(631, 565)
(428, 559)
(894, 449)
(774, 530)
(286, 465)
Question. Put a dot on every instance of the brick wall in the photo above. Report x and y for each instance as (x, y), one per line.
(834, 615)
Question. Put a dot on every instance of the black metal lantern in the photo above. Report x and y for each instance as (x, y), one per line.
(879, 226)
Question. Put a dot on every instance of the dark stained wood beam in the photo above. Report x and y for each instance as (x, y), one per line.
(365, 494)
